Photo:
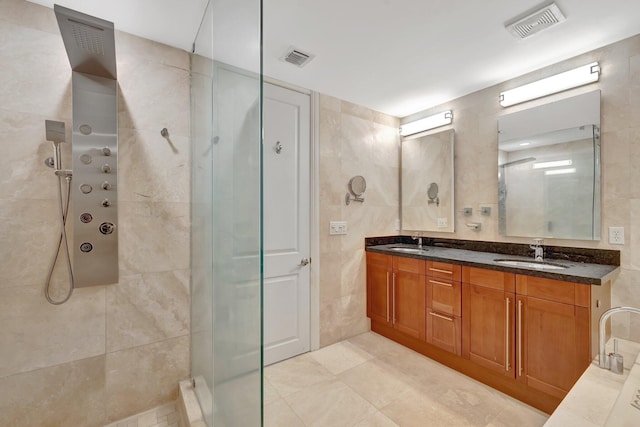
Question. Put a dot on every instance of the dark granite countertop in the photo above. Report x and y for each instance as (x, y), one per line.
(575, 271)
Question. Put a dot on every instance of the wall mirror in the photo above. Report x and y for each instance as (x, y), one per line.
(549, 170)
(426, 182)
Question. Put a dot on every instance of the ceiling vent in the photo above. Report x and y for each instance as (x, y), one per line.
(297, 57)
(536, 21)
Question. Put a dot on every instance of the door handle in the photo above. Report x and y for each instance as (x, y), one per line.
(304, 261)
(506, 337)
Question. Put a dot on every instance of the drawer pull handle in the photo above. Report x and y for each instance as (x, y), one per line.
(441, 316)
(435, 282)
(437, 270)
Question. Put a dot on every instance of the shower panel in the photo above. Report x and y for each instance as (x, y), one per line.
(90, 45)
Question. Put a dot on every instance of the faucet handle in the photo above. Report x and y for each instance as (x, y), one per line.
(537, 243)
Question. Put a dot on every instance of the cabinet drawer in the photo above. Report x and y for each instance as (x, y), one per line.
(410, 265)
(379, 259)
(547, 289)
(444, 331)
(444, 296)
(493, 279)
(443, 270)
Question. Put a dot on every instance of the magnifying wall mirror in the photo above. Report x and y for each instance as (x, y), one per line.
(432, 193)
(357, 186)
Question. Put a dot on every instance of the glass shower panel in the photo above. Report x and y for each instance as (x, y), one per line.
(226, 214)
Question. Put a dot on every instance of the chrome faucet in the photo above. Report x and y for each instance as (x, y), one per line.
(612, 361)
(539, 249)
(417, 236)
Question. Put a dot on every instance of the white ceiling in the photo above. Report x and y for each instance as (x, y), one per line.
(398, 57)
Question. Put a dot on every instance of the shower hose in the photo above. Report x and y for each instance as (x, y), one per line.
(64, 209)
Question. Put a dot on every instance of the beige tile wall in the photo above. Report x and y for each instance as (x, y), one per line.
(115, 350)
(344, 131)
(353, 141)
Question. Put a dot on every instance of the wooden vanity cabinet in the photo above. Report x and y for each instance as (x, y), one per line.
(396, 293)
(488, 301)
(528, 336)
(444, 306)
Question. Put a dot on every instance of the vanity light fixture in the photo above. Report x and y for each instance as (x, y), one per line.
(431, 122)
(560, 171)
(569, 79)
(553, 164)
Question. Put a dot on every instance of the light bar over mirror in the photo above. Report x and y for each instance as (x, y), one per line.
(569, 79)
(428, 123)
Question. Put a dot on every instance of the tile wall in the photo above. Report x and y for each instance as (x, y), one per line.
(115, 350)
(353, 141)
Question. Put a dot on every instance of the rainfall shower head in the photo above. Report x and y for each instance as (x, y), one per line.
(89, 41)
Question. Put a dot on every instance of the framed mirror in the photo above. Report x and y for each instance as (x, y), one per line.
(549, 170)
(426, 182)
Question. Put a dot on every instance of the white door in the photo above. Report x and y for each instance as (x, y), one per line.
(286, 223)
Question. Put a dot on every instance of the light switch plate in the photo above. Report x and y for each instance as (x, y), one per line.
(616, 235)
(338, 227)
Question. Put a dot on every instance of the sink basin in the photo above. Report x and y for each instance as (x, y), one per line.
(530, 264)
(407, 250)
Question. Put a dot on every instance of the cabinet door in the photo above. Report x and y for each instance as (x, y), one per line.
(379, 287)
(553, 344)
(488, 316)
(409, 303)
(444, 331)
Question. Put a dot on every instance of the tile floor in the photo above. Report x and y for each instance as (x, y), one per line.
(163, 416)
(371, 381)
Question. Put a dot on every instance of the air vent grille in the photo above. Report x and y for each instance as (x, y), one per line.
(537, 21)
(297, 57)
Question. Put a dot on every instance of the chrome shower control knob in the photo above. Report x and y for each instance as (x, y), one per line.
(86, 188)
(86, 158)
(106, 203)
(86, 217)
(107, 228)
(106, 185)
(106, 151)
(106, 168)
(86, 247)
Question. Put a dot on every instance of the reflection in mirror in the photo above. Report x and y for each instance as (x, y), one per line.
(426, 182)
(549, 170)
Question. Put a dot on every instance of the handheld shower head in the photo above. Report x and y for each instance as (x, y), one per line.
(55, 133)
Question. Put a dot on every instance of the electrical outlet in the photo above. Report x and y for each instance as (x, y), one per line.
(443, 223)
(338, 227)
(616, 235)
